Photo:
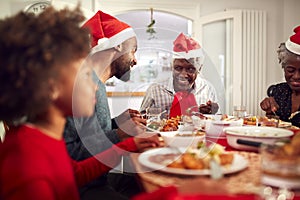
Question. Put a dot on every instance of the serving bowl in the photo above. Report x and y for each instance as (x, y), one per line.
(182, 138)
(264, 135)
(214, 125)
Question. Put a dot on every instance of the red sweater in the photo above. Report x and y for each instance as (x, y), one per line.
(36, 166)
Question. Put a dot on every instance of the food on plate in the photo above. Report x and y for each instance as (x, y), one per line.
(165, 124)
(171, 124)
(266, 121)
(196, 158)
(250, 120)
(189, 161)
(188, 122)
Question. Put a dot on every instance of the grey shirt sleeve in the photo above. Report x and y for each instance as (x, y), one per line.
(84, 137)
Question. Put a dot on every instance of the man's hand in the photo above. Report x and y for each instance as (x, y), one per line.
(209, 108)
(269, 105)
(130, 115)
(128, 124)
(137, 117)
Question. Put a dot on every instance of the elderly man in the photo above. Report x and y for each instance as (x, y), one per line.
(113, 47)
(185, 87)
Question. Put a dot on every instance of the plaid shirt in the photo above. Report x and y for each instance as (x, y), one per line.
(161, 94)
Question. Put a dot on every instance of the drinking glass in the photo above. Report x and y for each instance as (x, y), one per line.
(239, 112)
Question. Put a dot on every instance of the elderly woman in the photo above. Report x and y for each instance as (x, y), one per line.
(284, 98)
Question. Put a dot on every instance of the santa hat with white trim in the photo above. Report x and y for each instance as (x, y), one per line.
(107, 31)
(186, 47)
(293, 43)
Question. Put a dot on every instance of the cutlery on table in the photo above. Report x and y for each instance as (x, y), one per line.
(276, 117)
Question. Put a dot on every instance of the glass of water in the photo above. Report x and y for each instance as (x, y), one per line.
(239, 112)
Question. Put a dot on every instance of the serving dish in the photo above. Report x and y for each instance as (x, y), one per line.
(215, 125)
(182, 138)
(265, 135)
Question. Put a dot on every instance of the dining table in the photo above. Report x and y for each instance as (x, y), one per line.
(241, 184)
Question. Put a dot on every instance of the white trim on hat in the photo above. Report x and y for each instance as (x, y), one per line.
(196, 53)
(106, 43)
(190, 54)
(292, 46)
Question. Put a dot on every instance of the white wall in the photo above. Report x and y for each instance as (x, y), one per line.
(282, 17)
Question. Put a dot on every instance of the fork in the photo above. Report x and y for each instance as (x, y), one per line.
(276, 117)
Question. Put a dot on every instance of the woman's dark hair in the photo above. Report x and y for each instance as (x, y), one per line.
(32, 50)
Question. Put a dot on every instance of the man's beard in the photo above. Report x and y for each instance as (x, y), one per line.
(119, 70)
(126, 76)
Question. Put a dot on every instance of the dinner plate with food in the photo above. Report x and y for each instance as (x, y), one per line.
(192, 161)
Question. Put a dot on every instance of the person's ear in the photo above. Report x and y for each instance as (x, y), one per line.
(118, 48)
(53, 90)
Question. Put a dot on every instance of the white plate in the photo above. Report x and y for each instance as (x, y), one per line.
(258, 132)
(239, 163)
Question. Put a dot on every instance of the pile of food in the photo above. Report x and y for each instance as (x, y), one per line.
(250, 120)
(171, 124)
(270, 121)
(267, 121)
(197, 158)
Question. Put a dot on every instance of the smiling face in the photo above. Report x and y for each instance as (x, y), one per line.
(291, 66)
(120, 68)
(184, 75)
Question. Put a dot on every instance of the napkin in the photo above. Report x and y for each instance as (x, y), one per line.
(182, 101)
